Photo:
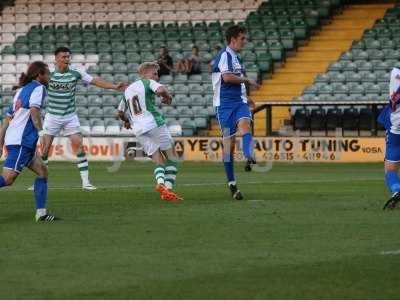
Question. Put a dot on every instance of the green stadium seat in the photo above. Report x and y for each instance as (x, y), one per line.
(95, 100)
(367, 76)
(180, 78)
(95, 111)
(181, 89)
(83, 112)
(93, 90)
(166, 79)
(197, 78)
(18, 49)
(249, 56)
(339, 88)
(130, 36)
(353, 77)
(105, 57)
(105, 67)
(363, 65)
(133, 57)
(214, 36)
(121, 78)
(117, 47)
(35, 48)
(287, 39)
(90, 47)
(349, 66)
(325, 89)
(355, 88)
(119, 57)
(81, 89)
(181, 99)
(325, 78)
(276, 50)
(300, 29)
(172, 36)
(195, 88)
(176, 55)
(185, 111)
(337, 77)
(257, 34)
(382, 76)
(336, 66)
(120, 68)
(88, 37)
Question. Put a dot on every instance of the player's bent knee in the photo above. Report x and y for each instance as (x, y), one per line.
(9, 179)
(391, 166)
(43, 171)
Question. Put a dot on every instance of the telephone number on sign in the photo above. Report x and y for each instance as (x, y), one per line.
(319, 156)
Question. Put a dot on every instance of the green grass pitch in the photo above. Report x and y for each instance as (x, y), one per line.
(305, 231)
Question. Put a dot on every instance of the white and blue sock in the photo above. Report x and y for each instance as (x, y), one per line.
(228, 165)
(247, 145)
(392, 181)
(40, 190)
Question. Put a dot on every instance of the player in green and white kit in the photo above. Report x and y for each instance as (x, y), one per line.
(61, 110)
(137, 109)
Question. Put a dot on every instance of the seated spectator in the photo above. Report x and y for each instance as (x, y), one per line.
(190, 65)
(165, 62)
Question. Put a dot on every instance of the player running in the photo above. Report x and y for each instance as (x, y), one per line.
(61, 111)
(137, 109)
(390, 118)
(231, 103)
(21, 131)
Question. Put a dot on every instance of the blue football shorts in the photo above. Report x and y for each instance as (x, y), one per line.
(392, 151)
(228, 117)
(18, 157)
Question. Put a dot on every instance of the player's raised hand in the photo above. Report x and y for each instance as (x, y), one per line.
(251, 103)
(127, 125)
(122, 86)
(167, 100)
(253, 84)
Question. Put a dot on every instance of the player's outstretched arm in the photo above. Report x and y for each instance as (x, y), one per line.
(164, 94)
(108, 85)
(36, 118)
(122, 116)
(3, 130)
(232, 78)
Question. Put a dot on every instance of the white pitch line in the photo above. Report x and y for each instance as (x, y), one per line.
(128, 186)
(395, 252)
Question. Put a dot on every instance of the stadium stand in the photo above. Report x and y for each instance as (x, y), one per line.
(313, 59)
(110, 38)
(361, 73)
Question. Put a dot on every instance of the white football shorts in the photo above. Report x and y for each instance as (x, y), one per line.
(68, 125)
(157, 138)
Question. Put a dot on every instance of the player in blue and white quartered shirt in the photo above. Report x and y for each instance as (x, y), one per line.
(20, 133)
(231, 102)
(390, 118)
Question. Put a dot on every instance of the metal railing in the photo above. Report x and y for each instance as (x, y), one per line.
(267, 106)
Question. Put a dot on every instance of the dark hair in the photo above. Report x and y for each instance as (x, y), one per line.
(34, 69)
(62, 49)
(195, 47)
(233, 32)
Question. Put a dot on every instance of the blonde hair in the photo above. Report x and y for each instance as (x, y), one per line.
(147, 66)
